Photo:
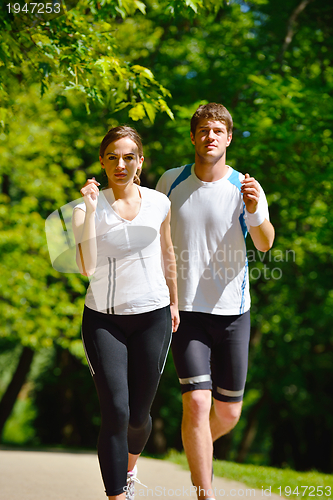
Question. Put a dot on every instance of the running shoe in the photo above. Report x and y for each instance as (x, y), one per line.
(131, 480)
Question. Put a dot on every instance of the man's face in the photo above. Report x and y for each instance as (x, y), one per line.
(211, 139)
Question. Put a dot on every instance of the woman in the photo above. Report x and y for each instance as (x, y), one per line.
(131, 304)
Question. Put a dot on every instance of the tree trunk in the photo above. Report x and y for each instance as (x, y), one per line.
(8, 400)
(5, 184)
(291, 26)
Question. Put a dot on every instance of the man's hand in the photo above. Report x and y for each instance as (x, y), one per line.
(251, 192)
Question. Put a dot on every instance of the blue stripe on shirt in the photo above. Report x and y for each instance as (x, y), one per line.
(242, 306)
(234, 179)
(184, 174)
(242, 222)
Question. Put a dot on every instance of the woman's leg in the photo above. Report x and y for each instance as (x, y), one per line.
(106, 351)
(147, 350)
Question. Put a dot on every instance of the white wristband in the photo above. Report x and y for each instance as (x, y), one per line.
(255, 219)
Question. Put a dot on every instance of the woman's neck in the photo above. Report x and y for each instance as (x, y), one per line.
(127, 193)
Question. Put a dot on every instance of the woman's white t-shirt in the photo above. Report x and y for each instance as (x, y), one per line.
(129, 278)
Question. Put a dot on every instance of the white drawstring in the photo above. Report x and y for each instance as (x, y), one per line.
(138, 481)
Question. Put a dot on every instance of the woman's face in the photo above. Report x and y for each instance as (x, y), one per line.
(121, 161)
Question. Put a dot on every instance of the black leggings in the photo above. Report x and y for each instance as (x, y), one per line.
(126, 356)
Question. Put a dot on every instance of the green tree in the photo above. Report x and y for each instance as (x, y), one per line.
(270, 64)
(48, 146)
(78, 51)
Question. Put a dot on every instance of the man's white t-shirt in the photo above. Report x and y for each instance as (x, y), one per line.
(129, 278)
(208, 228)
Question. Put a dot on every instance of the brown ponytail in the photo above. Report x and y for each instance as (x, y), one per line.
(136, 179)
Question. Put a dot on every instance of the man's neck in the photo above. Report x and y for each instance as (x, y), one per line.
(210, 171)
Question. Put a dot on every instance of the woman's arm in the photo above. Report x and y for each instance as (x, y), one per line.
(170, 269)
(84, 229)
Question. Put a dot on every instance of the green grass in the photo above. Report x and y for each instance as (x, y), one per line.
(289, 481)
(18, 429)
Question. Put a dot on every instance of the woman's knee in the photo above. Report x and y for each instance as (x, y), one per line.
(139, 422)
(115, 415)
(138, 434)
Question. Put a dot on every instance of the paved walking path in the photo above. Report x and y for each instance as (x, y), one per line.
(43, 475)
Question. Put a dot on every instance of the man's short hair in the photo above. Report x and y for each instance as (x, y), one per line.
(212, 111)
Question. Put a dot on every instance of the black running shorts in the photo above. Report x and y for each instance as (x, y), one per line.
(211, 352)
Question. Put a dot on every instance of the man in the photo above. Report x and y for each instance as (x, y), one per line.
(212, 208)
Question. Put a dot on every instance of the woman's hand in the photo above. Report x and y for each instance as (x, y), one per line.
(174, 317)
(90, 194)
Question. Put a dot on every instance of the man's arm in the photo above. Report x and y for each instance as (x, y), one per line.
(261, 230)
(263, 236)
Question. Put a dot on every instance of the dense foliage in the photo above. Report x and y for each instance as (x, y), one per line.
(270, 63)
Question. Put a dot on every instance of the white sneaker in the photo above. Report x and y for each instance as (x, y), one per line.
(131, 479)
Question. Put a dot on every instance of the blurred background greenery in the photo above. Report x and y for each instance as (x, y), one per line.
(64, 83)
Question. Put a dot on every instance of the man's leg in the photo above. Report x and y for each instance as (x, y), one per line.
(229, 369)
(224, 417)
(191, 353)
(197, 439)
